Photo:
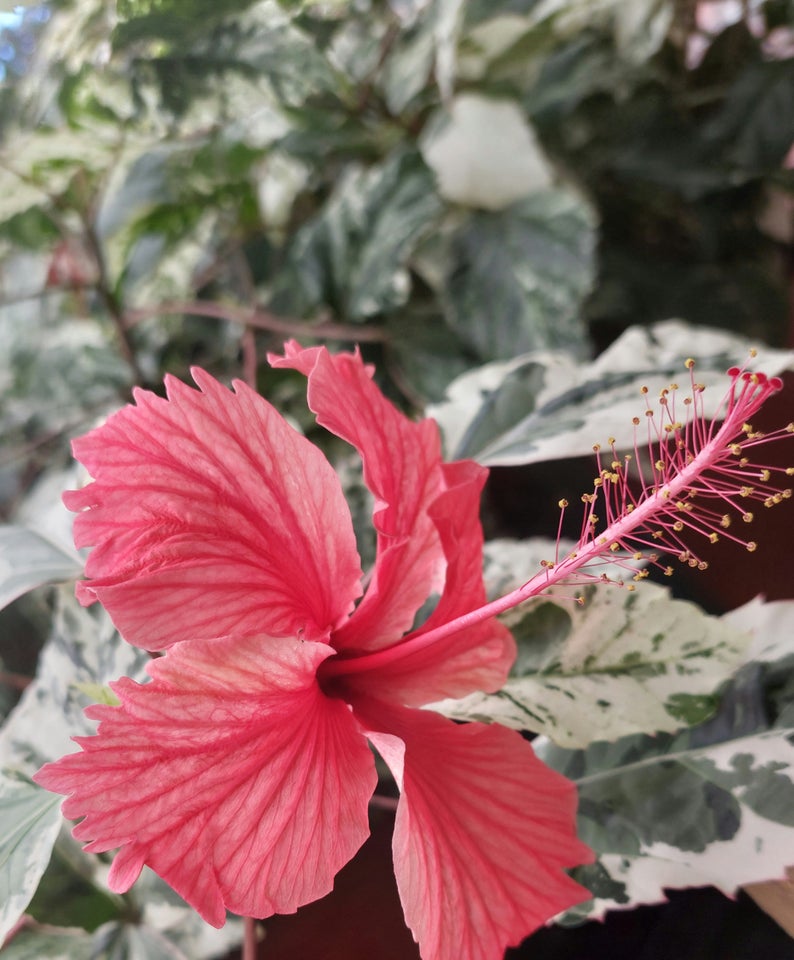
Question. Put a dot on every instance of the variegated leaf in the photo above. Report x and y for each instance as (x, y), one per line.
(84, 648)
(544, 405)
(672, 812)
(30, 818)
(27, 560)
(622, 663)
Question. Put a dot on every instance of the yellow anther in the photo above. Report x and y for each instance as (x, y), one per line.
(638, 555)
(747, 517)
(678, 526)
(714, 537)
(746, 492)
(752, 546)
(703, 565)
(668, 571)
(659, 464)
(726, 521)
(764, 475)
(614, 547)
(689, 363)
(562, 504)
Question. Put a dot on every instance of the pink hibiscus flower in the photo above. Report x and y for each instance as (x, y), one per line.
(242, 772)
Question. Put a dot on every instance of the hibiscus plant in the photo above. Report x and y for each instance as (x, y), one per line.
(355, 478)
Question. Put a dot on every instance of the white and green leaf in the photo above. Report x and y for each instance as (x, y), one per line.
(545, 405)
(527, 269)
(30, 819)
(622, 663)
(84, 652)
(27, 560)
(354, 254)
(711, 806)
(50, 943)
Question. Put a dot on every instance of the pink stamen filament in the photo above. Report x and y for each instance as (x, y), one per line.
(680, 459)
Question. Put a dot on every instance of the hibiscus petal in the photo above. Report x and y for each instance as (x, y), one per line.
(482, 835)
(210, 515)
(230, 774)
(472, 658)
(402, 468)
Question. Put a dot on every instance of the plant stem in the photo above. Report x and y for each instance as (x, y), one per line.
(261, 319)
(109, 298)
(249, 939)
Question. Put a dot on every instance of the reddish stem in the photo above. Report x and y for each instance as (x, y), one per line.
(249, 939)
(261, 319)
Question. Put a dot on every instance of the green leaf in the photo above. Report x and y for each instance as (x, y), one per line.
(30, 819)
(620, 664)
(425, 354)
(517, 278)
(353, 256)
(755, 126)
(544, 406)
(27, 560)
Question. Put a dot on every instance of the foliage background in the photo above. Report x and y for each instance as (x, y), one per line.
(445, 182)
